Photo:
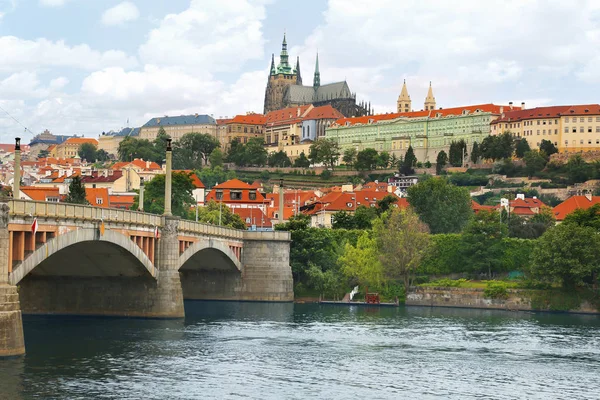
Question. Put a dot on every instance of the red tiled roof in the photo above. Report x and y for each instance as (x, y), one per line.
(250, 119)
(573, 203)
(122, 201)
(93, 194)
(223, 121)
(349, 201)
(195, 180)
(287, 115)
(40, 193)
(547, 112)
(139, 163)
(100, 178)
(253, 216)
(324, 112)
(81, 141)
(233, 184)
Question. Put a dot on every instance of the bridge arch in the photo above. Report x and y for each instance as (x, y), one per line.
(210, 254)
(113, 240)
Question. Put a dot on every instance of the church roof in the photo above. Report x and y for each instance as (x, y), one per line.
(324, 112)
(336, 90)
(182, 120)
(297, 94)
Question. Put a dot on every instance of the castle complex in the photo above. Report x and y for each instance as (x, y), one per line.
(405, 105)
(285, 89)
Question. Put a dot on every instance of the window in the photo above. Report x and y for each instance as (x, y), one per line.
(252, 196)
(589, 141)
(574, 130)
(566, 119)
(251, 129)
(538, 122)
(581, 129)
(99, 200)
(597, 119)
(581, 141)
(245, 140)
(589, 119)
(566, 142)
(538, 131)
(219, 195)
(589, 129)
(235, 195)
(581, 119)
(245, 129)
(598, 129)
(544, 132)
(556, 131)
(544, 122)
(597, 141)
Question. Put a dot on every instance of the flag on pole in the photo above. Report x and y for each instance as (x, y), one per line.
(34, 226)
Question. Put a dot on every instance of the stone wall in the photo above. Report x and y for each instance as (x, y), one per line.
(517, 300)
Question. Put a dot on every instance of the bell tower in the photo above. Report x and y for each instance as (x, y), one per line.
(404, 103)
(429, 100)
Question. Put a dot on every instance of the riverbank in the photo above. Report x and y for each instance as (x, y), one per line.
(510, 299)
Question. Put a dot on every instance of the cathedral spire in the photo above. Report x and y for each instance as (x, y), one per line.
(317, 78)
(429, 100)
(404, 103)
(273, 71)
(283, 57)
(298, 76)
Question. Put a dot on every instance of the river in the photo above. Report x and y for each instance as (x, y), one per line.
(305, 351)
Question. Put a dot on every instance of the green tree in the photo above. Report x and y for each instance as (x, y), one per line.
(440, 162)
(445, 208)
(326, 151)
(578, 170)
(497, 147)
(192, 150)
(343, 220)
(534, 162)
(236, 153)
(547, 147)
(383, 160)
(457, 152)
(131, 148)
(402, 240)
(160, 146)
(407, 166)
(349, 157)
(361, 263)
(256, 154)
(567, 254)
(589, 217)
(302, 161)
(214, 212)
(102, 155)
(364, 217)
(475, 153)
(521, 148)
(212, 176)
(76, 192)
(87, 151)
(482, 240)
(386, 203)
(181, 195)
(279, 159)
(366, 159)
(216, 158)
(43, 154)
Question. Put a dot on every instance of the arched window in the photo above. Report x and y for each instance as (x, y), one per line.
(308, 131)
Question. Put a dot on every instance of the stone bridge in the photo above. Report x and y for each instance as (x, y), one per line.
(91, 261)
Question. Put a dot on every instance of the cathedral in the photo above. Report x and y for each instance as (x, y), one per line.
(405, 105)
(285, 89)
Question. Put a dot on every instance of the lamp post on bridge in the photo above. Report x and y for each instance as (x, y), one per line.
(168, 178)
(17, 170)
(141, 196)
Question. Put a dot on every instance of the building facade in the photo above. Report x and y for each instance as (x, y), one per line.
(245, 127)
(428, 132)
(110, 141)
(284, 89)
(178, 126)
(574, 128)
(70, 147)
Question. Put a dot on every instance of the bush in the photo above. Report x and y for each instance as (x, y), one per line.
(447, 282)
(552, 185)
(496, 290)
(464, 179)
(265, 176)
(427, 164)
(326, 174)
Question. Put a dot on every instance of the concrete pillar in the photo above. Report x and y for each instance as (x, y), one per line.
(11, 324)
(141, 197)
(17, 168)
(281, 201)
(169, 296)
(168, 179)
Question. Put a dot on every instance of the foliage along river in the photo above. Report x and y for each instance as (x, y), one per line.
(302, 351)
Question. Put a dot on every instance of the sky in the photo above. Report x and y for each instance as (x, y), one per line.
(88, 66)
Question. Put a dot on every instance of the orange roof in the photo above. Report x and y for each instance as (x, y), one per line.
(195, 180)
(223, 121)
(516, 115)
(250, 119)
(288, 212)
(81, 140)
(290, 197)
(349, 201)
(439, 113)
(40, 193)
(573, 203)
(287, 115)
(324, 112)
(139, 163)
(478, 207)
(93, 195)
(121, 200)
(382, 186)
(233, 184)
(253, 216)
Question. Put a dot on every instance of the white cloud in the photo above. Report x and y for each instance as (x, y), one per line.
(19, 54)
(52, 3)
(120, 14)
(208, 36)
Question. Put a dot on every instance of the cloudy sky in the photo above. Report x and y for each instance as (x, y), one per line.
(87, 66)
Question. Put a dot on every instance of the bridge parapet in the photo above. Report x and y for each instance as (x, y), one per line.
(197, 228)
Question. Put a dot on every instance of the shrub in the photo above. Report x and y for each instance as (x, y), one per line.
(326, 174)
(427, 164)
(496, 290)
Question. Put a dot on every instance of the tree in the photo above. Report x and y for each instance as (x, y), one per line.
(256, 154)
(216, 158)
(407, 166)
(393, 161)
(366, 159)
(534, 162)
(445, 208)
(457, 153)
(76, 192)
(383, 160)
(589, 217)
(236, 153)
(279, 159)
(475, 153)
(43, 154)
(326, 151)
(192, 150)
(102, 155)
(160, 146)
(181, 195)
(402, 240)
(440, 162)
(568, 254)
(87, 151)
(482, 239)
(578, 170)
(343, 220)
(361, 263)
(497, 147)
(131, 148)
(213, 213)
(301, 161)
(547, 147)
(385, 203)
(521, 148)
(364, 216)
(349, 157)
(212, 176)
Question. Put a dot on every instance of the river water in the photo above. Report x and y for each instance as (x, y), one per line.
(303, 351)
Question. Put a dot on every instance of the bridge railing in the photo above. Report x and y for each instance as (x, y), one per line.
(81, 212)
(207, 229)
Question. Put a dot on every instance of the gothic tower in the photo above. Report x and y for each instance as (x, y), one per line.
(317, 78)
(280, 78)
(404, 103)
(430, 100)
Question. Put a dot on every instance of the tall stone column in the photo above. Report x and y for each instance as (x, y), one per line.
(17, 170)
(141, 196)
(168, 178)
(168, 302)
(11, 324)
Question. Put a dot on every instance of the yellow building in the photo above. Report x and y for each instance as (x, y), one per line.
(245, 127)
(570, 128)
(110, 141)
(70, 147)
(178, 126)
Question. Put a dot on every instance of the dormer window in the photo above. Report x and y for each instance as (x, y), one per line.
(348, 204)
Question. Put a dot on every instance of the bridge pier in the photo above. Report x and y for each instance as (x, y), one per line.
(11, 324)
(169, 296)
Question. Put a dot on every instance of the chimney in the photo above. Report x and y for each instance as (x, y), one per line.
(510, 104)
(148, 164)
(522, 105)
(298, 112)
(521, 196)
(502, 111)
